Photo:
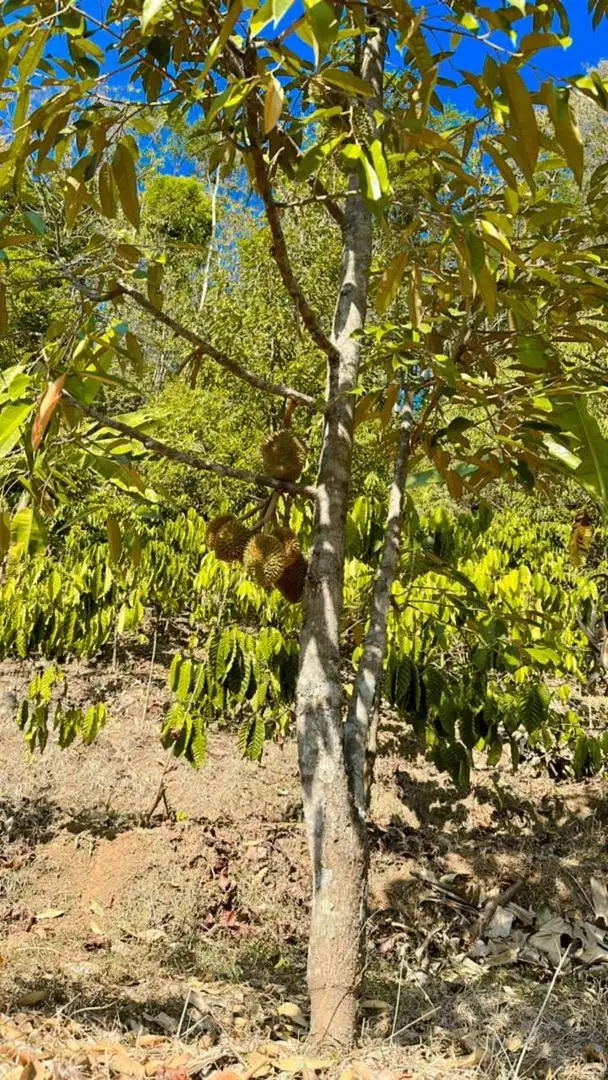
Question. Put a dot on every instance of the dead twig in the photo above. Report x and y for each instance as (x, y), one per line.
(491, 908)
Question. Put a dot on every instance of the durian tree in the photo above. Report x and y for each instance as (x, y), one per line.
(469, 311)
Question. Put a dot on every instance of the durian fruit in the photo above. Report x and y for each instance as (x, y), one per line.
(284, 455)
(265, 559)
(214, 526)
(292, 581)
(230, 539)
(290, 542)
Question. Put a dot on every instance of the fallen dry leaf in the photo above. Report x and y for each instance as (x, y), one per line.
(179, 1061)
(152, 1040)
(258, 1065)
(49, 913)
(173, 1074)
(120, 1062)
(292, 1012)
(31, 998)
(13, 1074)
(29, 1069)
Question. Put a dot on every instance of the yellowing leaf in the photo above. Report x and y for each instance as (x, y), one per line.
(46, 407)
(522, 117)
(123, 169)
(273, 104)
(391, 280)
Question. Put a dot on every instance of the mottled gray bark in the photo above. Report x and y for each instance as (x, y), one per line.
(336, 839)
(364, 699)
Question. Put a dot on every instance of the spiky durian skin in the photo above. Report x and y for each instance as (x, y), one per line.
(284, 455)
(290, 542)
(214, 526)
(292, 581)
(231, 540)
(264, 559)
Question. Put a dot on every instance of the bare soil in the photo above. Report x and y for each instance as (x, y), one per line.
(181, 936)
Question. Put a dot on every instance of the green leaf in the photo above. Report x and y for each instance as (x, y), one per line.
(123, 169)
(537, 40)
(323, 25)
(566, 129)
(35, 221)
(153, 11)
(345, 80)
(522, 117)
(12, 419)
(591, 448)
(380, 166)
(261, 18)
(486, 282)
(184, 680)
(3, 309)
(107, 191)
(114, 538)
(315, 155)
(228, 23)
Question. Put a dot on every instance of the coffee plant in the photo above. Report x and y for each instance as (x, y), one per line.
(485, 648)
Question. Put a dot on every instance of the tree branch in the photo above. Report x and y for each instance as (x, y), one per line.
(186, 458)
(365, 690)
(286, 158)
(289, 151)
(202, 346)
(280, 252)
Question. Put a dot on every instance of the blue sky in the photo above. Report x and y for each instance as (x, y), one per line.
(588, 45)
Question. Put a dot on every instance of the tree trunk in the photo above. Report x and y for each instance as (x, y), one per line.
(336, 841)
(336, 833)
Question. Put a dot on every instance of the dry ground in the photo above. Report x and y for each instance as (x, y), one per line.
(182, 938)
